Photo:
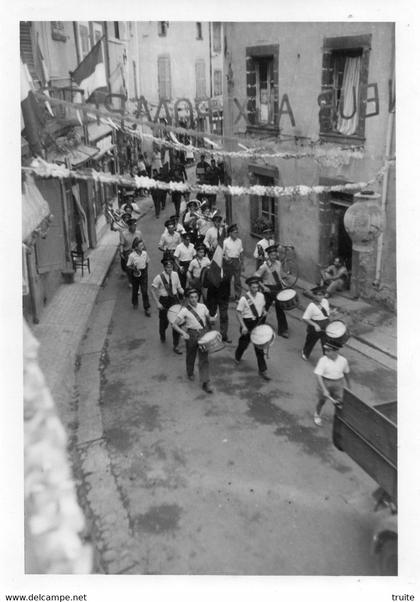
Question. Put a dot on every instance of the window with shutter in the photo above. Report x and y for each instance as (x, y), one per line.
(263, 209)
(217, 37)
(164, 78)
(262, 66)
(200, 78)
(218, 84)
(26, 47)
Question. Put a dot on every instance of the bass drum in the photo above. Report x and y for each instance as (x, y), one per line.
(336, 333)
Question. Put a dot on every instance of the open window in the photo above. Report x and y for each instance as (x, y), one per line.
(262, 86)
(263, 208)
(344, 89)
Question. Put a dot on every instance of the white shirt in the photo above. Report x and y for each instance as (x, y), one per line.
(197, 265)
(313, 312)
(169, 241)
(263, 244)
(243, 306)
(265, 272)
(173, 281)
(184, 253)
(127, 237)
(334, 369)
(203, 225)
(210, 239)
(232, 248)
(138, 260)
(185, 316)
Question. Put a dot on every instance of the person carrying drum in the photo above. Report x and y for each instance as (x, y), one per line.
(316, 316)
(166, 291)
(331, 371)
(183, 255)
(270, 273)
(260, 252)
(251, 312)
(127, 238)
(195, 319)
(137, 265)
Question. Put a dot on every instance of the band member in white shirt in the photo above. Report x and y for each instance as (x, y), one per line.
(126, 241)
(270, 273)
(183, 255)
(137, 265)
(215, 235)
(316, 316)
(170, 239)
(332, 372)
(196, 267)
(192, 322)
(260, 252)
(251, 312)
(232, 258)
(167, 291)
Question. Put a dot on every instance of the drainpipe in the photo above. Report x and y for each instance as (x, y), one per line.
(389, 133)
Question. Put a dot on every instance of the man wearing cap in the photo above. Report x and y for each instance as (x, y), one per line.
(195, 319)
(196, 267)
(215, 235)
(193, 212)
(166, 291)
(261, 246)
(137, 265)
(270, 273)
(170, 239)
(178, 227)
(183, 255)
(126, 242)
(251, 312)
(232, 258)
(316, 316)
(332, 372)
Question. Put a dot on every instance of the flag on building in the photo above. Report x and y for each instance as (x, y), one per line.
(33, 118)
(90, 74)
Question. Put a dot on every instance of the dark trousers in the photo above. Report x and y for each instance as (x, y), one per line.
(203, 357)
(183, 273)
(244, 341)
(162, 199)
(176, 199)
(270, 298)
(163, 319)
(232, 268)
(156, 202)
(140, 282)
(218, 299)
(312, 336)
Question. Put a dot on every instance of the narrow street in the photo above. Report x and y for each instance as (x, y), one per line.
(175, 481)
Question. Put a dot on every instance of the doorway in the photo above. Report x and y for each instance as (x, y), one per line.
(340, 241)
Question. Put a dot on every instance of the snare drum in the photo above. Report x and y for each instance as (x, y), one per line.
(287, 298)
(337, 333)
(211, 342)
(263, 336)
(173, 312)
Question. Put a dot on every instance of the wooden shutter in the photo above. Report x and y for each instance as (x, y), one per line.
(200, 78)
(218, 86)
(164, 77)
(217, 37)
(251, 89)
(26, 47)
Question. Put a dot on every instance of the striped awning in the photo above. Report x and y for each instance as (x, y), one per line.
(34, 207)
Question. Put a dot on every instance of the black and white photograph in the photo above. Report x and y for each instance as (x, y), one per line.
(208, 249)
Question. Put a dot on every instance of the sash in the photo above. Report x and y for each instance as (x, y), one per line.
(196, 316)
(276, 278)
(324, 311)
(252, 306)
(165, 283)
